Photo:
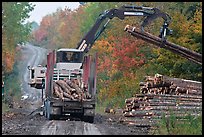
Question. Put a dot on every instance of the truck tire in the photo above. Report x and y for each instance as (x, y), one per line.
(89, 119)
(45, 108)
(48, 110)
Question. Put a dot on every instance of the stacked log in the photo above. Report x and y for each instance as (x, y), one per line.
(165, 85)
(153, 104)
(70, 90)
(193, 87)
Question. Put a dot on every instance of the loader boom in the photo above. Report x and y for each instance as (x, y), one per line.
(182, 51)
(149, 13)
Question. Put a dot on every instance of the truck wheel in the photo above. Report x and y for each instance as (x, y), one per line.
(89, 119)
(45, 108)
(48, 110)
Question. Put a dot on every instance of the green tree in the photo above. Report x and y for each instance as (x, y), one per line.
(14, 29)
(187, 32)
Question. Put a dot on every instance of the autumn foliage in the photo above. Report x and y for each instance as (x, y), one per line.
(14, 31)
(124, 60)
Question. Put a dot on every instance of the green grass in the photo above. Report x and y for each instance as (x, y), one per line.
(5, 107)
(12, 90)
(170, 126)
(99, 109)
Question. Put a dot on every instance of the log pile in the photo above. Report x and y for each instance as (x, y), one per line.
(70, 90)
(165, 85)
(162, 97)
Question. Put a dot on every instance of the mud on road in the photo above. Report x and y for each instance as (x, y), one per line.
(106, 124)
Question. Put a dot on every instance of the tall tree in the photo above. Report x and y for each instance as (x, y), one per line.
(187, 32)
(14, 30)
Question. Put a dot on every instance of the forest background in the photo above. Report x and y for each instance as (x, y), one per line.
(123, 60)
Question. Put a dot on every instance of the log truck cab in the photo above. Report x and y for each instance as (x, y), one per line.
(68, 64)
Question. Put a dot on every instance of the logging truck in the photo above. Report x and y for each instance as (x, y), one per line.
(64, 96)
(64, 66)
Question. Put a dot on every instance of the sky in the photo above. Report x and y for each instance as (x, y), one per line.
(43, 8)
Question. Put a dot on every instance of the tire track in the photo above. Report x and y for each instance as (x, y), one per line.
(90, 129)
(58, 127)
(55, 128)
(49, 128)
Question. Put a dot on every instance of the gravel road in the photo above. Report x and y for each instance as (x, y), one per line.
(32, 56)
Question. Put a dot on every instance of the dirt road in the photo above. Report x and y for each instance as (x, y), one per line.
(33, 56)
(101, 126)
(69, 128)
(20, 122)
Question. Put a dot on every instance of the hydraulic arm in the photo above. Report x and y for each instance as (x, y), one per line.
(149, 13)
(182, 51)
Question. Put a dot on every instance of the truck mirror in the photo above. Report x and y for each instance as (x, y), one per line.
(43, 83)
(28, 67)
(43, 80)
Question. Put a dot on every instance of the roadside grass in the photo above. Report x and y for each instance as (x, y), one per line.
(99, 109)
(116, 102)
(12, 90)
(192, 125)
(113, 91)
(5, 108)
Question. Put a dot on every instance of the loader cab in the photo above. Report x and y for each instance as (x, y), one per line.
(68, 64)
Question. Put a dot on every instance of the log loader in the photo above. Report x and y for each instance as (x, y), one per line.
(161, 42)
(76, 64)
